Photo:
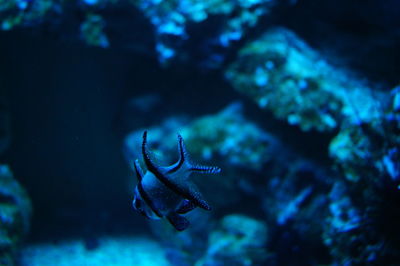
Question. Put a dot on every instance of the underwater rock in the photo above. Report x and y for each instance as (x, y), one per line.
(185, 248)
(173, 19)
(225, 139)
(15, 213)
(14, 13)
(113, 250)
(177, 29)
(92, 31)
(295, 202)
(283, 75)
(364, 209)
(293, 190)
(368, 150)
(238, 240)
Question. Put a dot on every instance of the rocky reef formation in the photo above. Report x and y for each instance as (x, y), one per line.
(238, 240)
(15, 214)
(283, 75)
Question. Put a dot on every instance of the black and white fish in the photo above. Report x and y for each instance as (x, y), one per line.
(168, 191)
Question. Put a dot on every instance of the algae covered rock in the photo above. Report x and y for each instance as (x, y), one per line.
(173, 19)
(370, 149)
(238, 240)
(186, 247)
(14, 13)
(283, 75)
(15, 213)
(364, 213)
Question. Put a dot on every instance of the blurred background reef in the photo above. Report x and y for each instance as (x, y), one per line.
(298, 101)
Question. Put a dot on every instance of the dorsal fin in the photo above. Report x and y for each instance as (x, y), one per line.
(151, 166)
(183, 157)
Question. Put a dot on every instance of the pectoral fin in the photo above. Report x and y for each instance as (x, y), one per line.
(186, 207)
(179, 222)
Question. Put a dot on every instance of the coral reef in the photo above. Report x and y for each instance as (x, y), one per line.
(92, 31)
(15, 213)
(117, 251)
(172, 20)
(283, 75)
(238, 240)
(368, 156)
(188, 246)
(14, 13)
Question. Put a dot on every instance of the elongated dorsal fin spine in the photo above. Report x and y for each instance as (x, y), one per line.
(183, 156)
(146, 156)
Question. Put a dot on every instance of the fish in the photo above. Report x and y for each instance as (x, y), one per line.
(167, 191)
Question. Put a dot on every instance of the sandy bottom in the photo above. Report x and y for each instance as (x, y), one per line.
(119, 251)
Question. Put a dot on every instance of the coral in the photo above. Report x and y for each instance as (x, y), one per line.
(362, 229)
(238, 240)
(112, 250)
(217, 136)
(176, 23)
(364, 211)
(369, 149)
(15, 213)
(295, 202)
(185, 248)
(92, 31)
(15, 13)
(172, 18)
(283, 75)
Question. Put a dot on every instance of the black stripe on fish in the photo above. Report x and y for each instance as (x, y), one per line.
(147, 199)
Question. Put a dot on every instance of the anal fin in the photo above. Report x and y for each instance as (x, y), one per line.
(179, 222)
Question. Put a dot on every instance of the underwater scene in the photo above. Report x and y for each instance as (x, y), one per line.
(199, 132)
